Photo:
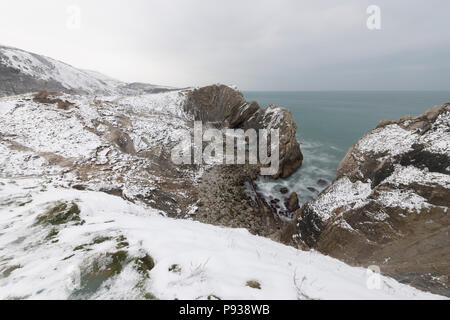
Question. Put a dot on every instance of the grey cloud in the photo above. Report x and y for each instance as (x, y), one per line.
(260, 45)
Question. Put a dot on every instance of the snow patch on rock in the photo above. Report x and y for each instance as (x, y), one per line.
(391, 139)
(343, 193)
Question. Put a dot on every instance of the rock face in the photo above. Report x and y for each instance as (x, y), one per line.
(389, 205)
(223, 192)
(226, 107)
(292, 202)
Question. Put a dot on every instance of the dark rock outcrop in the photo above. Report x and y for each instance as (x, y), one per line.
(224, 190)
(322, 183)
(227, 108)
(284, 190)
(51, 97)
(389, 204)
(291, 203)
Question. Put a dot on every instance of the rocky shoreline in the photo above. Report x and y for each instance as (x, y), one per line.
(374, 213)
(387, 207)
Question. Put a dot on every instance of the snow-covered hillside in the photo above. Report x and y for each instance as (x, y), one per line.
(116, 144)
(59, 243)
(23, 72)
(49, 69)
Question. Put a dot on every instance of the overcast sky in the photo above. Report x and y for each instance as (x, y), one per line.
(257, 45)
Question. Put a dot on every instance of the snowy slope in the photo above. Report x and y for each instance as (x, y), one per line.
(44, 68)
(22, 72)
(84, 145)
(100, 253)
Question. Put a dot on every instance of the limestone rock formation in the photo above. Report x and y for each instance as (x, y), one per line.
(226, 107)
(389, 205)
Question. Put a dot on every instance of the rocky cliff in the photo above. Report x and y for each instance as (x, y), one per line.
(225, 107)
(389, 203)
(226, 194)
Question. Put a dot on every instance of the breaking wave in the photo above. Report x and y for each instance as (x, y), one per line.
(317, 172)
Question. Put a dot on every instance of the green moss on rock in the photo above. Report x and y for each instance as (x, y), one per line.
(60, 214)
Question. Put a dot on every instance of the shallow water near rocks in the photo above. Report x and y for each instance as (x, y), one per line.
(331, 122)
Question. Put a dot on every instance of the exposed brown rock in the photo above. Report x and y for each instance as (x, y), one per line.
(225, 201)
(226, 107)
(292, 202)
(48, 97)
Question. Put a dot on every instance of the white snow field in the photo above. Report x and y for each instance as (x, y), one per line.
(65, 244)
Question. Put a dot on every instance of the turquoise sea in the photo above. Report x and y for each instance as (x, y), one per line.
(331, 122)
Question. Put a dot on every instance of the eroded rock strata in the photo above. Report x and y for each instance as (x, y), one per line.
(227, 108)
(389, 203)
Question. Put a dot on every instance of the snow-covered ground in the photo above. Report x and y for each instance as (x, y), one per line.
(80, 145)
(67, 244)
